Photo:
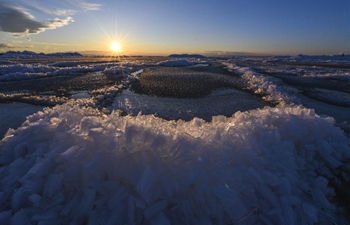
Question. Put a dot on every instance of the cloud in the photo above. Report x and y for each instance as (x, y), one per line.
(5, 45)
(53, 24)
(15, 19)
(52, 10)
(9, 46)
(84, 5)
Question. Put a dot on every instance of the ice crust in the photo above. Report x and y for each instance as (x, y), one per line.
(71, 164)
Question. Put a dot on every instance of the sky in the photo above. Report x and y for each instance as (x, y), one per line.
(162, 27)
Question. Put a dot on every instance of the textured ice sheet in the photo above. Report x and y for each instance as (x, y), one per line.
(72, 165)
(181, 82)
(221, 102)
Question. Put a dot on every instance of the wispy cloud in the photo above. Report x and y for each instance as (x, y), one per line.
(50, 10)
(9, 46)
(15, 19)
(84, 5)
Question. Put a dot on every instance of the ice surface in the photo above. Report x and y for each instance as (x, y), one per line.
(264, 166)
(344, 59)
(231, 101)
(178, 62)
(13, 72)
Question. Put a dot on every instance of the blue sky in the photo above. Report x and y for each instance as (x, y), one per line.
(160, 27)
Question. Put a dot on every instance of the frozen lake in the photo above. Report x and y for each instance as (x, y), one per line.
(265, 143)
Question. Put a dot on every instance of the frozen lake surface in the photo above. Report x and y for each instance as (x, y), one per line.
(266, 144)
(222, 102)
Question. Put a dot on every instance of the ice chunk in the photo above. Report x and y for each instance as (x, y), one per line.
(116, 200)
(87, 202)
(324, 148)
(20, 218)
(146, 182)
(53, 185)
(5, 217)
(236, 208)
(161, 218)
(154, 209)
(289, 213)
(311, 212)
(45, 216)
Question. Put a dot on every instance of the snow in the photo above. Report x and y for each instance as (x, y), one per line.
(72, 163)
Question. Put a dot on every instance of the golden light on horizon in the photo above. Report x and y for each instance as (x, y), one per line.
(115, 46)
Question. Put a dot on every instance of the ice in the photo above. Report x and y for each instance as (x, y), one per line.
(5, 216)
(96, 168)
(76, 163)
(262, 85)
(20, 218)
(179, 62)
(154, 209)
(314, 58)
(13, 72)
(12, 115)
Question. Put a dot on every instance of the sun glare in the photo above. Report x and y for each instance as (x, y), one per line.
(115, 46)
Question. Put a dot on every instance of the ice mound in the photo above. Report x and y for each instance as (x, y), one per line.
(73, 165)
(179, 62)
(117, 71)
(260, 84)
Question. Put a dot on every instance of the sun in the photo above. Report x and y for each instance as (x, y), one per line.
(115, 46)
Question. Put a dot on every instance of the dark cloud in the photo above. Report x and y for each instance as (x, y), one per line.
(15, 19)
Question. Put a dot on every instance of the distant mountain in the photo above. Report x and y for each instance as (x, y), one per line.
(30, 54)
(187, 56)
